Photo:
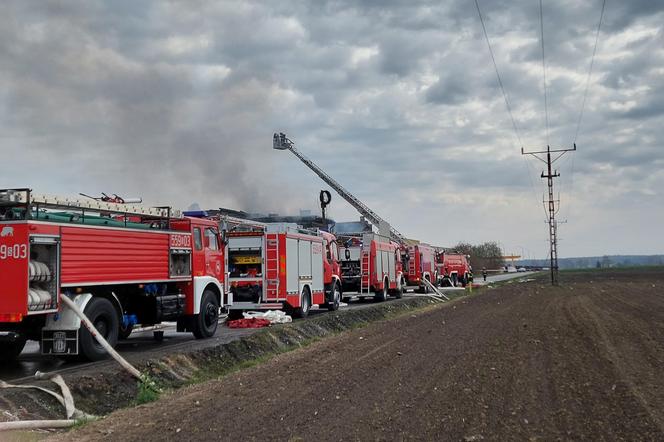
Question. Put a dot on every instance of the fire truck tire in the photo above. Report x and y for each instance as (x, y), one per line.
(206, 322)
(11, 349)
(104, 317)
(305, 305)
(381, 295)
(124, 332)
(336, 298)
(398, 292)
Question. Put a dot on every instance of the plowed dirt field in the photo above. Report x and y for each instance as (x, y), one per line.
(518, 362)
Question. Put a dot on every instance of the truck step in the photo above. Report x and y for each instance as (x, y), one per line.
(256, 306)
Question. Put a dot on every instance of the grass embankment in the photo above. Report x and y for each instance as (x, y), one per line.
(105, 392)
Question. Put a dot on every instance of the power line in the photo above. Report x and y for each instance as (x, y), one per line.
(546, 107)
(500, 81)
(507, 103)
(590, 70)
(583, 103)
(532, 183)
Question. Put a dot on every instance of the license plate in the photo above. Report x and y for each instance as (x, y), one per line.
(60, 342)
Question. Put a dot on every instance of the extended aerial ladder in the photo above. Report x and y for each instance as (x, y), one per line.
(281, 142)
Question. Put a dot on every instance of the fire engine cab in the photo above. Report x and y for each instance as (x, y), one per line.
(122, 265)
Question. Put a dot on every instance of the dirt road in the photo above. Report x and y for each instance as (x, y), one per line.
(524, 361)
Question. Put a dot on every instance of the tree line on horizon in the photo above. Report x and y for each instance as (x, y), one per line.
(486, 255)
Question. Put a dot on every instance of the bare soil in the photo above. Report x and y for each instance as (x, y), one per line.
(523, 361)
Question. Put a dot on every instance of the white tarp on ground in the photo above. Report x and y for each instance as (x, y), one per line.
(274, 316)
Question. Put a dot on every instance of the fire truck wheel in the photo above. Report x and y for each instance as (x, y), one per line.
(125, 331)
(206, 322)
(11, 349)
(104, 317)
(398, 292)
(305, 305)
(336, 298)
(381, 295)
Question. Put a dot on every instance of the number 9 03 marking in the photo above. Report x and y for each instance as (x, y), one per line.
(17, 251)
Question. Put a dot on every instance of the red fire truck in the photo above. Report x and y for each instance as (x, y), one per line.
(453, 269)
(420, 263)
(283, 266)
(371, 266)
(122, 265)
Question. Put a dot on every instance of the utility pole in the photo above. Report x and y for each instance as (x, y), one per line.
(553, 225)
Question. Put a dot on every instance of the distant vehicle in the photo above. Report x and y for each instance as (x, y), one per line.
(419, 263)
(521, 269)
(453, 269)
(511, 269)
(283, 267)
(371, 266)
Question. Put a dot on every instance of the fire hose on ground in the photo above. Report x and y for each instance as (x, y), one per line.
(93, 331)
(66, 399)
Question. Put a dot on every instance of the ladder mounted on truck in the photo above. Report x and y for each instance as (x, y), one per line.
(281, 142)
(365, 272)
(23, 204)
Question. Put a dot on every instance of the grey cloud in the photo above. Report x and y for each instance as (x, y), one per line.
(449, 90)
(398, 100)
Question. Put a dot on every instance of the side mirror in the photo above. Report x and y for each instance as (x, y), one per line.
(347, 255)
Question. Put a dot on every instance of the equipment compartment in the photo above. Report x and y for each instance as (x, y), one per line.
(43, 274)
(245, 263)
(180, 263)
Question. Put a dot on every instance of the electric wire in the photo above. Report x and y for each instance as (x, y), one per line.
(507, 102)
(590, 70)
(500, 81)
(546, 106)
(571, 187)
(583, 102)
(532, 185)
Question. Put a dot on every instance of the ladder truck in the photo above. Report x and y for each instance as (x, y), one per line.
(122, 265)
(418, 259)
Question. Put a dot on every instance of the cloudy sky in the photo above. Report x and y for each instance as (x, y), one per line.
(176, 101)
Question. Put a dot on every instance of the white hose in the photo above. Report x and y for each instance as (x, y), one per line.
(33, 425)
(435, 289)
(66, 400)
(93, 331)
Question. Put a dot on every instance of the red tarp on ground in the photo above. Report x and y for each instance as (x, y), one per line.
(248, 323)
